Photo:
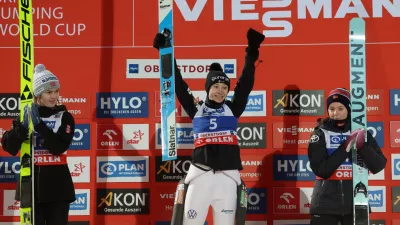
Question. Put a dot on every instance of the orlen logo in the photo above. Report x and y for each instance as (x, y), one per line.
(287, 197)
(394, 134)
(110, 134)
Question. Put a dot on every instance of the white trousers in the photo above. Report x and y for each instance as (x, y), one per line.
(208, 188)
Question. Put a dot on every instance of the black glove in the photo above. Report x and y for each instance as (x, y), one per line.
(20, 131)
(161, 39)
(254, 38)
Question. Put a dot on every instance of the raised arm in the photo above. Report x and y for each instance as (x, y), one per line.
(245, 82)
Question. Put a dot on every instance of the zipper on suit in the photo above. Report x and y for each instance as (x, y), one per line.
(341, 182)
(38, 184)
(341, 190)
(322, 186)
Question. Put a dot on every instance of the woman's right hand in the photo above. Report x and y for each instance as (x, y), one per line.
(159, 41)
(19, 128)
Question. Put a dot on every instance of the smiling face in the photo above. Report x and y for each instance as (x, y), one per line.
(48, 98)
(218, 92)
(337, 111)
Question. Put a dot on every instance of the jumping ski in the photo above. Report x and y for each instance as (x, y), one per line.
(26, 98)
(167, 81)
(358, 117)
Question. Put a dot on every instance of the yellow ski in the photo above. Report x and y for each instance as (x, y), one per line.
(26, 98)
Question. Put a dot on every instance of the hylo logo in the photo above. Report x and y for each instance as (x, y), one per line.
(121, 102)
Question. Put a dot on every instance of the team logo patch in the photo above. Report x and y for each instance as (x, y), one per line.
(314, 138)
(68, 129)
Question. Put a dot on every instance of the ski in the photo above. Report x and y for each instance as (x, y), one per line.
(26, 98)
(358, 117)
(167, 81)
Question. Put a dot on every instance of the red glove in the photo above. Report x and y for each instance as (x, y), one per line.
(361, 139)
(356, 139)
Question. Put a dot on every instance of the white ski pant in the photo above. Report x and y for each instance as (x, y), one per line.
(208, 188)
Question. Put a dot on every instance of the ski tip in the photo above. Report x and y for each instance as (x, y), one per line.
(358, 20)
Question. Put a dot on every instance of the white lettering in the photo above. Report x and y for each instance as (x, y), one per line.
(357, 7)
(314, 8)
(238, 6)
(392, 8)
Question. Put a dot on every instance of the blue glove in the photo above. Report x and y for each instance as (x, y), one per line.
(35, 115)
(25, 122)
